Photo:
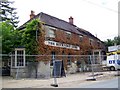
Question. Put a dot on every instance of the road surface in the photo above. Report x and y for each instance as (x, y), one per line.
(113, 83)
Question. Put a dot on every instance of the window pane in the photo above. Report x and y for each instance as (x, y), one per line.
(69, 60)
(52, 58)
(68, 35)
(81, 38)
(50, 32)
(20, 58)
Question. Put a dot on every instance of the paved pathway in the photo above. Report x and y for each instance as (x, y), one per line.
(69, 81)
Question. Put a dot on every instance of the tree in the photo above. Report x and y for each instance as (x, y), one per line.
(117, 40)
(8, 13)
(0, 44)
(110, 42)
(29, 36)
(8, 23)
(6, 37)
(10, 37)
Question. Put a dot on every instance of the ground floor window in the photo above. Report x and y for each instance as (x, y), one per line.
(18, 58)
(52, 58)
(69, 60)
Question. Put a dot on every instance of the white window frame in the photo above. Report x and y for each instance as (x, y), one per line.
(68, 34)
(50, 32)
(91, 41)
(81, 38)
(98, 43)
(16, 56)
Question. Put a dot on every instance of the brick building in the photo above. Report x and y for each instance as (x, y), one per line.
(65, 38)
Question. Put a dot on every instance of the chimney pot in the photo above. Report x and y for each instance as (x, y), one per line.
(32, 14)
(71, 20)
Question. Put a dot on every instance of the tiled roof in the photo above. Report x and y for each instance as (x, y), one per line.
(87, 33)
(53, 21)
(61, 24)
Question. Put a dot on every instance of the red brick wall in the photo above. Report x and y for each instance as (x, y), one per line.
(74, 40)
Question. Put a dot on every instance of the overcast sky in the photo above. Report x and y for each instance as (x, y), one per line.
(100, 17)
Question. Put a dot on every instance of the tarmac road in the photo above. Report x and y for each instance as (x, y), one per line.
(113, 83)
(77, 80)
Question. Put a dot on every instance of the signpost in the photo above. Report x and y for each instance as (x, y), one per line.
(54, 75)
(58, 71)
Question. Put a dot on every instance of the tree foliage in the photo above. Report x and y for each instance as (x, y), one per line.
(117, 40)
(8, 12)
(111, 42)
(29, 36)
(10, 37)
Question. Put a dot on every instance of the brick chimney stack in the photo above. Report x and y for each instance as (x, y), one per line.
(71, 20)
(32, 14)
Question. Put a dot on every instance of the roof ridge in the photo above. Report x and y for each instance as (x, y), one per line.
(59, 19)
(74, 28)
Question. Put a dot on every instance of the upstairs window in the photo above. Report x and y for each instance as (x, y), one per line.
(81, 38)
(91, 41)
(98, 43)
(50, 32)
(68, 35)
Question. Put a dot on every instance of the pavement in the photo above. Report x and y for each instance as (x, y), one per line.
(69, 81)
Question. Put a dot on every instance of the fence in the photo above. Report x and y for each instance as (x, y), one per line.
(47, 66)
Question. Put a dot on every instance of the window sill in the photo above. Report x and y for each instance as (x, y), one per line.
(18, 67)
